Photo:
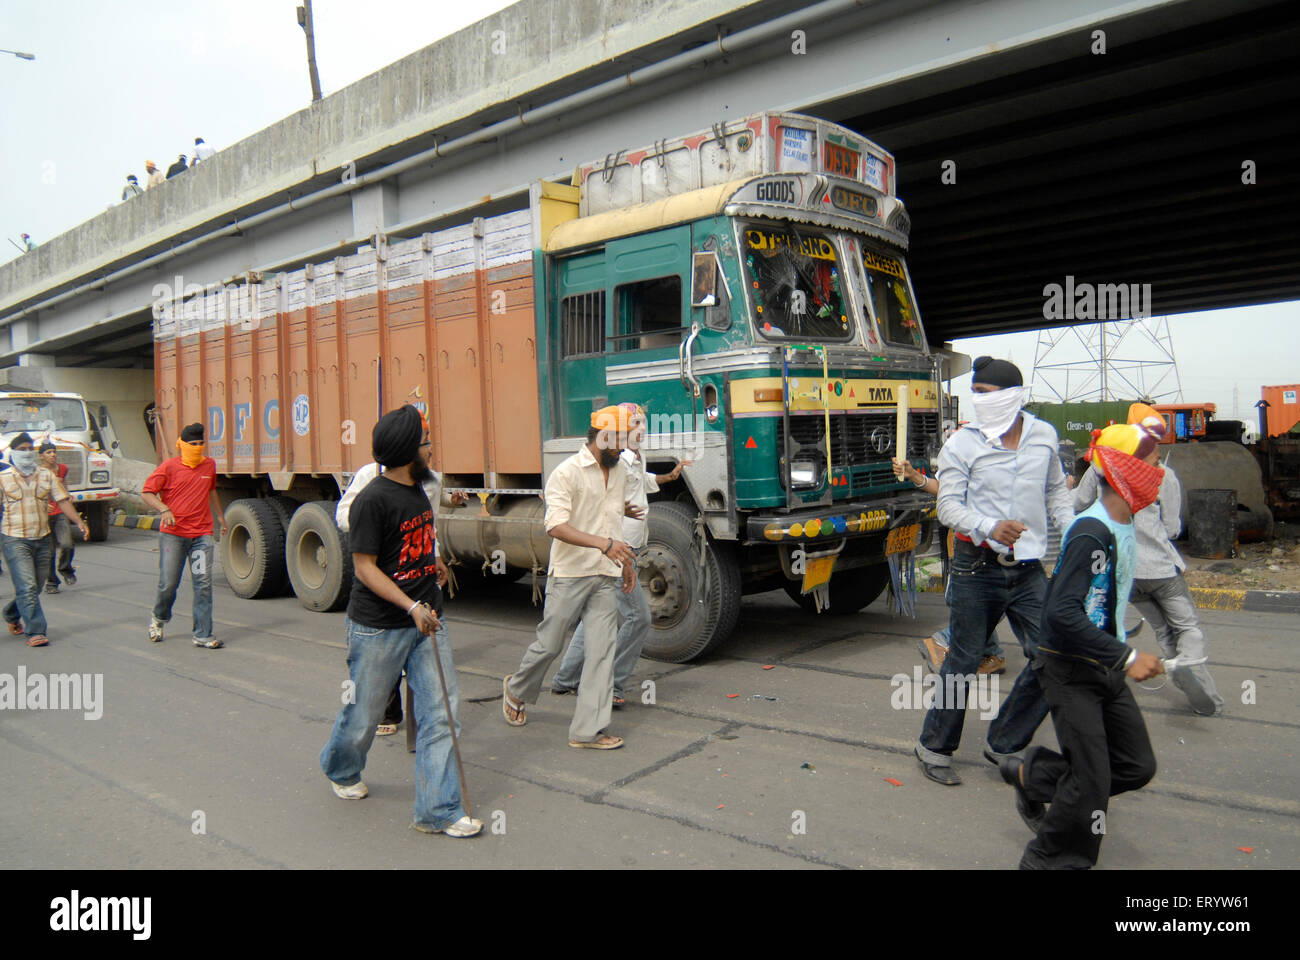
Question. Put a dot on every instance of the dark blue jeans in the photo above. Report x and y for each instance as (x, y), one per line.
(982, 593)
(29, 564)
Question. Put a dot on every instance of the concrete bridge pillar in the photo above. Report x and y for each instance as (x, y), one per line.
(374, 208)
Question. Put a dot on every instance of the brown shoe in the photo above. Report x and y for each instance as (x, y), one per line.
(992, 664)
(932, 653)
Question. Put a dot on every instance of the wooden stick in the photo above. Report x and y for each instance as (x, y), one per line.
(451, 724)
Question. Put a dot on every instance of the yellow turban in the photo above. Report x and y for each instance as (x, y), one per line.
(617, 417)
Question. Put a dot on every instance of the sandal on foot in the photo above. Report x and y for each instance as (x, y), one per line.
(603, 742)
(385, 730)
(514, 714)
(39, 640)
(16, 629)
(618, 702)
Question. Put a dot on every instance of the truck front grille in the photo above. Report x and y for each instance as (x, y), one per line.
(859, 439)
(76, 461)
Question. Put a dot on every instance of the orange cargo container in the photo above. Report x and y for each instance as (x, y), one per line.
(1283, 411)
(289, 373)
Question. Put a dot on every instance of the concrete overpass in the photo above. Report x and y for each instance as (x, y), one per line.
(1117, 167)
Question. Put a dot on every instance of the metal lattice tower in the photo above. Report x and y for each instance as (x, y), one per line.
(1118, 360)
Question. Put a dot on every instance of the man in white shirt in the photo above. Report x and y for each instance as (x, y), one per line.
(633, 608)
(584, 515)
(1000, 483)
(201, 151)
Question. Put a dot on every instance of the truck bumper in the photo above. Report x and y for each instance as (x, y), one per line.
(844, 520)
(92, 496)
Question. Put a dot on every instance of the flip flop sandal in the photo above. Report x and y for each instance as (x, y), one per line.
(38, 641)
(16, 629)
(602, 742)
(619, 702)
(385, 730)
(508, 708)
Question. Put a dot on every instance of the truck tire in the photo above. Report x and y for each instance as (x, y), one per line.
(252, 554)
(317, 557)
(96, 515)
(682, 627)
(850, 590)
(284, 508)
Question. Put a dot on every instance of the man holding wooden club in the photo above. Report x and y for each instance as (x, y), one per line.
(394, 621)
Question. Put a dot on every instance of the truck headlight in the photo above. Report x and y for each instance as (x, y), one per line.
(99, 478)
(803, 473)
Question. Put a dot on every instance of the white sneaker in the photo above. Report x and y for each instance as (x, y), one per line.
(355, 792)
(464, 827)
(155, 630)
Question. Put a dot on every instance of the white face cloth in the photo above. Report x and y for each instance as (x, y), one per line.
(996, 412)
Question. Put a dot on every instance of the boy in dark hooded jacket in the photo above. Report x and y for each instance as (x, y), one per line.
(1083, 662)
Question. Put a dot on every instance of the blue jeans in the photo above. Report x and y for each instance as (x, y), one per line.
(634, 609)
(993, 648)
(29, 564)
(375, 661)
(173, 552)
(983, 592)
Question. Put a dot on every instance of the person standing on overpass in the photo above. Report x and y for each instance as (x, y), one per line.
(998, 482)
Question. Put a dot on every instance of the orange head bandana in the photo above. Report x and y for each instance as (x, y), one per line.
(191, 453)
(1113, 453)
(618, 417)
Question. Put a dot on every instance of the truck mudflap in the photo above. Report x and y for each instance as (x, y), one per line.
(839, 521)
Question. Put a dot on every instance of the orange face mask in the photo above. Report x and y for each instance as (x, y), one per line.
(191, 453)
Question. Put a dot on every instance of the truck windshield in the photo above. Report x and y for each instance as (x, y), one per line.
(41, 413)
(795, 283)
(889, 299)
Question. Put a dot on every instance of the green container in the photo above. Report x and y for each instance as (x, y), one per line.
(1076, 421)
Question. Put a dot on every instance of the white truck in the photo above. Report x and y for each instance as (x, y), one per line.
(84, 444)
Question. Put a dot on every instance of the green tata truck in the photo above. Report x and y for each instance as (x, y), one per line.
(747, 285)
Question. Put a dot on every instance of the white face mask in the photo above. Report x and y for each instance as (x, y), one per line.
(996, 412)
(24, 461)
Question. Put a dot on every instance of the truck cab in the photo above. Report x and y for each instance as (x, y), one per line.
(64, 419)
(768, 325)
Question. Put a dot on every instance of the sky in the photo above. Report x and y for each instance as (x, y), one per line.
(115, 83)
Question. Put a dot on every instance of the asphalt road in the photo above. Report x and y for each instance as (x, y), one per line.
(228, 740)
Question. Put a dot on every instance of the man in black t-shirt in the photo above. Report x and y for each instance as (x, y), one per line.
(395, 605)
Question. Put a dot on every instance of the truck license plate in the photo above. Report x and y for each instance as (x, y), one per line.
(903, 539)
(817, 572)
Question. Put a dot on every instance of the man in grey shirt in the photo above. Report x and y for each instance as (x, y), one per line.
(998, 484)
(1159, 591)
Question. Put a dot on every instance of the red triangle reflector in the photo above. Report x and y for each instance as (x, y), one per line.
(750, 444)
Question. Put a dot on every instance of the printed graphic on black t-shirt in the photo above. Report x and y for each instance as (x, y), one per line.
(394, 522)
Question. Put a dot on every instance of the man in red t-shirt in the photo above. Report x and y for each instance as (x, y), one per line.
(184, 490)
(60, 526)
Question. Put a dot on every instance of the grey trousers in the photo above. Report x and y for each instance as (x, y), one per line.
(593, 601)
(1168, 606)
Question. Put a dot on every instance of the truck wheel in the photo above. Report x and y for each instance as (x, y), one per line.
(317, 557)
(96, 515)
(850, 590)
(252, 554)
(284, 508)
(684, 624)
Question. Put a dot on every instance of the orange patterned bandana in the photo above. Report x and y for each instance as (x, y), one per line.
(1135, 480)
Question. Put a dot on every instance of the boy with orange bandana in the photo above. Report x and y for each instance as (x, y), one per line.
(1083, 660)
(184, 490)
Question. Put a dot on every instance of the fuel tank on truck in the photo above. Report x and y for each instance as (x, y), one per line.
(474, 533)
(1224, 466)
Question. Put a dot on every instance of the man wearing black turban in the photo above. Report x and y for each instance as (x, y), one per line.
(394, 607)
